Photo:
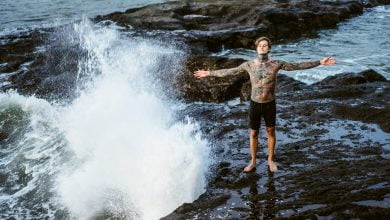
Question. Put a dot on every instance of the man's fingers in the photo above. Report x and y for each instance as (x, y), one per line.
(329, 60)
(200, 73)
(197, 72)
(197, 75)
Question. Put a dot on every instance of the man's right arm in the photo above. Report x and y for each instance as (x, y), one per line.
(227, 72)
(222, 72)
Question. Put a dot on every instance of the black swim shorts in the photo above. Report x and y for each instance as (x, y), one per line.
(267, 110)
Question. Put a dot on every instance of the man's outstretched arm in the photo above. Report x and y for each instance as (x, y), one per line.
(327, 61)
(222, 72)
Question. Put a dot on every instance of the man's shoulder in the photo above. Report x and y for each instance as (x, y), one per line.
(248, 63)
(276, 60)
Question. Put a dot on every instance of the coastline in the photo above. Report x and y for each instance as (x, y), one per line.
(333, 136)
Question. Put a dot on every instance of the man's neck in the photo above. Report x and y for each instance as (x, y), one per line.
(263, 57)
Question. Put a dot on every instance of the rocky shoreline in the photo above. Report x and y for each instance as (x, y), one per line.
(333, 159)
(331, 164)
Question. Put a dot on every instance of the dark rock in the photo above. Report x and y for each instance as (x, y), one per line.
(38, 63)
(231, 24)
(372, 3)
(365, 113)
(210, 88)
(314, 167)
(372, 76)
(18, 50)
(287, 84)
(344, 79)
(204, 202)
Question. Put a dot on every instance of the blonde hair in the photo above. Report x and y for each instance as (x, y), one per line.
(261, 39)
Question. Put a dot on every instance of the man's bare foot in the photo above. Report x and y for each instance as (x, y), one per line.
(272, 166)
(250, 168)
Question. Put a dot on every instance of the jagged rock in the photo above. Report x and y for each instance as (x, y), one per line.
(343, 79)
(231, 24)
(205, 201)
(210, 88)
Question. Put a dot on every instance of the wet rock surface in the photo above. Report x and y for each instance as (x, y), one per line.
(211, 88)
(40, 63)
(333, 149)
(333, 155)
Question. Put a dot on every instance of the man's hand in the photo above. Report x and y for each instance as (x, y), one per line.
(327, 61)
(201, 73)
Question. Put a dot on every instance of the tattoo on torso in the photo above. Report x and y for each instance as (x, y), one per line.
(263, 75)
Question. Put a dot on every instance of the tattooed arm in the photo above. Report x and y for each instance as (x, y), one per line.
(298, 66)
(327, 61)
(222, 72)
(226, 72)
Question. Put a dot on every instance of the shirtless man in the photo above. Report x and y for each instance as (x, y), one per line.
(262, 72)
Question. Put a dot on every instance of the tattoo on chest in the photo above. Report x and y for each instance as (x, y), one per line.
(263, 77)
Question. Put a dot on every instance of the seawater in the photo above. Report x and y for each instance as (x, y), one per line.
(115, 151)
(26, 15)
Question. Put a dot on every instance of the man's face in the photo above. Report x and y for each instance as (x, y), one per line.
(262, 47)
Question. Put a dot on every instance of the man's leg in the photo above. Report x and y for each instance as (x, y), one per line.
(254, 125)
(254, 140)
(271, 148)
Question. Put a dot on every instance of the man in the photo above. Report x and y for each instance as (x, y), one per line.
(263, 71)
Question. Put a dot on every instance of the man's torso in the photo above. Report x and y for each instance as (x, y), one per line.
(263, 79)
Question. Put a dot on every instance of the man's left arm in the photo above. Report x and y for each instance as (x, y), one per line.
(307, 64)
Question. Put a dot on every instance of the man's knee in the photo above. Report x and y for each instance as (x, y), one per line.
(270, 131)
(254, 133)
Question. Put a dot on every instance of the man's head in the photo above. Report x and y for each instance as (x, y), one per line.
(263, 45)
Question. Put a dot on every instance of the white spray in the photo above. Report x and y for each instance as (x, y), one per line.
(131, 160)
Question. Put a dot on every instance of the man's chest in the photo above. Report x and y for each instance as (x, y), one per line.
(263, 71)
